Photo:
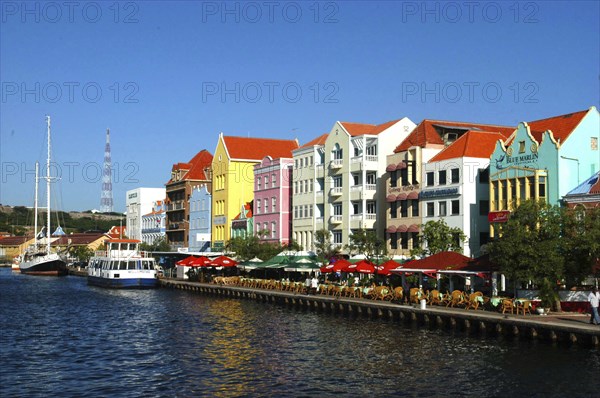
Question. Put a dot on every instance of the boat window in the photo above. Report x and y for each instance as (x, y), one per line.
(145, 264)
(122, 264)
(131, 265)
(132, 246)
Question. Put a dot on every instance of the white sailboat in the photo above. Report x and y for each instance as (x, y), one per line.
(39, 260)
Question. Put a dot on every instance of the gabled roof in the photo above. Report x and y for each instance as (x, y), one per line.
(117, 231)
(14, 240)
(194, 169)
(561, 126)
(320, 140)
(249, 148)
(357, 129)
(426, 134)
(248, 209)
(473, 144)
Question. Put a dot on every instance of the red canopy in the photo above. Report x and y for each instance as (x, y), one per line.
(365, 267)
(201, 261)
(385, 268)
(186, 261)
(341, 265)
(223, 261)
(326, 268)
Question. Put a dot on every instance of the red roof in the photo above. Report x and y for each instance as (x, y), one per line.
(439, 261)
(473, 144)
(195, 168)
(14, 240)
(356, 129)
(561, 126)
(426, 134)
(320, 140)
(79, 239)
(116, 232)
(248, 208)
(248, 148)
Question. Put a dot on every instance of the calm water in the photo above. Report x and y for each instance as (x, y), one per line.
(60, 337)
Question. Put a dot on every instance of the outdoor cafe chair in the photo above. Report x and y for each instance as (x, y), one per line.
(435, 297)
(475, 299)
(508, 305)
(456, 298)
(415, 295)
(523, 306)
(398, 293)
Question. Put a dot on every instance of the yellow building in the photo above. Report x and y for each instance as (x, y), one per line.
(233, 177)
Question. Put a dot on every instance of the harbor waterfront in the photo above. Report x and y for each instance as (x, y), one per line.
(61, 337)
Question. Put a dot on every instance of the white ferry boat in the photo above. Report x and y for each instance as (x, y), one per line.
(122, 266)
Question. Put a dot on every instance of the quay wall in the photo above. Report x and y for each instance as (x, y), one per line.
(470, 322)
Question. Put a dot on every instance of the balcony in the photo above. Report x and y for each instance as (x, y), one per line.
(177, 205)
(336, 163)
(337, 219)
(319, 220)
(370, 216)
(175, 226)
(335, 191)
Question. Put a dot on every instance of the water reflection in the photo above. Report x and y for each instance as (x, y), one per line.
(60, 337)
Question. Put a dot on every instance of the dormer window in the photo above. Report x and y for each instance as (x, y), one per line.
(521, 146)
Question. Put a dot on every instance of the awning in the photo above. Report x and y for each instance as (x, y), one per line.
(401, 196)
(413, 195)
(391, 229)
(390, 198)
(390, 167)
(401, 165)
(413, 228)
(402, 228)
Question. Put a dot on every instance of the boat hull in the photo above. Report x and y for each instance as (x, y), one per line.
(123, 283)
(53, 266)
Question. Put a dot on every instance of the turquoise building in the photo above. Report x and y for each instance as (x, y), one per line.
(544, 159)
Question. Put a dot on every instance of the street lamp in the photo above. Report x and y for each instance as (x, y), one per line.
(576, 160)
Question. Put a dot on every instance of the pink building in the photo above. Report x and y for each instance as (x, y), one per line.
(272, 199)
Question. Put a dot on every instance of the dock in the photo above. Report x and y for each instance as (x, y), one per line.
(556, 328)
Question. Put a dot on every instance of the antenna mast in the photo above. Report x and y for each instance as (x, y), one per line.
(106, 200)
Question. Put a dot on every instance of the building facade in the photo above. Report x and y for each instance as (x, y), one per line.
(200, 216)
(242, 225)
(154, 223)
(543, 160)
(406, 178)
(272, 199)
(233, 177)
(140, 201)
(185, 176)
(348, 188)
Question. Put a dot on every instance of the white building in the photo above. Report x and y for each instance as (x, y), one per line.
(140, 201)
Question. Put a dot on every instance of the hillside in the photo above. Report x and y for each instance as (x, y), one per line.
(18, 220)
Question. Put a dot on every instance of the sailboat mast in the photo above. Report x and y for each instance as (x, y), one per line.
(48, 231)
(35, 204)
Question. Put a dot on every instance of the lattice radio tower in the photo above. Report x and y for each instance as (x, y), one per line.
(106, 201)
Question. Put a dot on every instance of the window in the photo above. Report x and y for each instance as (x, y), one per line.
(430, 209)
(337, 152)
(273, 179)
(542, 187)
(415, 208)
(258, 206)
(266, 226)
(521, 146)
(442, 208)
(371, 207)
(311, 186)
(594, 143)
(484, 207)
(393, 178)
(258, 179)
(429, 176)
(295, 211)
(442, 177)
(337, 182)
(404, 240)
(455, 176)
(371, 178)
(394, 210)
(356, 151)
(337, 237)
(273, 204)
(372, 150)
(356, 208)
(273, 230)
(295, 163)
(484, 175)
(337, 209)
(393, 241)
(403, 208)
(266, 182)
(455, 204)
(266, 203)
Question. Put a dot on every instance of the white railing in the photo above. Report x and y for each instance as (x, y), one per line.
(371, 216)
(336, 163)
(335, 219)
(335, 191)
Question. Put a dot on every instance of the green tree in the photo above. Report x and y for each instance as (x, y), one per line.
(529, 246)
(580, 243)
(366, 242)
(82, 253)
(325, 249)
(437, 237)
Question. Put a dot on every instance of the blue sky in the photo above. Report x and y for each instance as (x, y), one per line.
(167, 77)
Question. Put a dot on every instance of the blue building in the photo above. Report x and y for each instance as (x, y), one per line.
(200, 216)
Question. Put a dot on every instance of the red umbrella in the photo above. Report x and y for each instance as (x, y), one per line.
(341, 265)
(200, 262)
(365, 267)
(326, 268)
(385, 268)
(186, 261)
(223, 261)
